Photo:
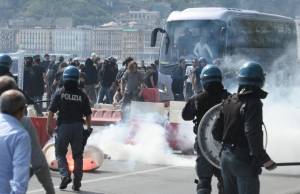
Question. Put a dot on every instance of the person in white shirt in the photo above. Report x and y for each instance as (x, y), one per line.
(202, 49)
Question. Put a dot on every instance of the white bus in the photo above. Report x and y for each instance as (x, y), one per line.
(222, 33)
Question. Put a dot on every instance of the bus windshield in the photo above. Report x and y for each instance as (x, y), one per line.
(191, 40)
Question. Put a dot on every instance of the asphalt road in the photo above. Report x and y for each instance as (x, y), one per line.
(123, 177)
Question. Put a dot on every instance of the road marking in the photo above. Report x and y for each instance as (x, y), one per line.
(112, 177)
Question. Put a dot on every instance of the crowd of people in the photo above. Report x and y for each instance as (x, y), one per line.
(102, 81)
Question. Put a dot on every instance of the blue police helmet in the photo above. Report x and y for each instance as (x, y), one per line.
(71, 73)
(210, 73)
(251, 74)
(5, 61)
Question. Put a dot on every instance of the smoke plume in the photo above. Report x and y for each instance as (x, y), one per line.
(139, 139)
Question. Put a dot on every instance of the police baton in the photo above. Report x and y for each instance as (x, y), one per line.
(288, 164)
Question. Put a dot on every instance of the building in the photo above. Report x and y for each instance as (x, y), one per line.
(35, 40)
(130, 37)
(8, 40)
(107, 41)
(132, 43)
(116, 41)
(72, 41)
(148, 19)
(122, 42)
(30, 22)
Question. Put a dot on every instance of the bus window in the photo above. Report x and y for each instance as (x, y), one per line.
(260, 34)
(264, 41)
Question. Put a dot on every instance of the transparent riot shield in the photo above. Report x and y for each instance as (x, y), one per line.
(17, 68)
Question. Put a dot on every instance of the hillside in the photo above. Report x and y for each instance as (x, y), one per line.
(96, 12)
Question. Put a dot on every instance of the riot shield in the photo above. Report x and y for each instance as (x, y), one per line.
(209, 147)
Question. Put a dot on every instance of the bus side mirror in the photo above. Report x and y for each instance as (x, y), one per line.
(154, 35)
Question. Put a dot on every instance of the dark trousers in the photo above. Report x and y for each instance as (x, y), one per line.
(240, 176)
(91, 93)
(188, 91)
(205, 171)
(70, 134)
(128, 97)
(104, 92)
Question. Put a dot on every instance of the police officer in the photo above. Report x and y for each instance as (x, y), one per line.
(239, 128)
(72, 105)
(5, 65)
(195, 108)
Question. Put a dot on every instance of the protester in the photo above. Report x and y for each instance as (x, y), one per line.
(117, 99)
(28, 77)
(131, 84)
(50, 76)
(151, 77)
(38, 84)
(91, 80)
(124, 68)
(58, 81)
(108, 76)
(178, 77)
(46, 62)
(198, 66)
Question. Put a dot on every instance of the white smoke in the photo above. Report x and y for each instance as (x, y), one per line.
(185, 137)
(282, 116)
(281, 108)
(140, 139)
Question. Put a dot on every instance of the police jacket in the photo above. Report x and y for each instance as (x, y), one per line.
(72, 105)
(199, 104)
(240, 123)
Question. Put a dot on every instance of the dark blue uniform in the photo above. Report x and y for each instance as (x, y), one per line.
(72, 105)
(196, 107)
(239, 128)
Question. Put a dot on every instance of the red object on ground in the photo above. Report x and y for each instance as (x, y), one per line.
(150, 94)
(40, 124)
(172, 132)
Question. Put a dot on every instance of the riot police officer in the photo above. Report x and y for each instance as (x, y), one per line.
(5, 64)
(239, 128)
(72, 105)
(195, 108)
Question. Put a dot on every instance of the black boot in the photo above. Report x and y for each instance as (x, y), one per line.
(64, 182)
(76, 185)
